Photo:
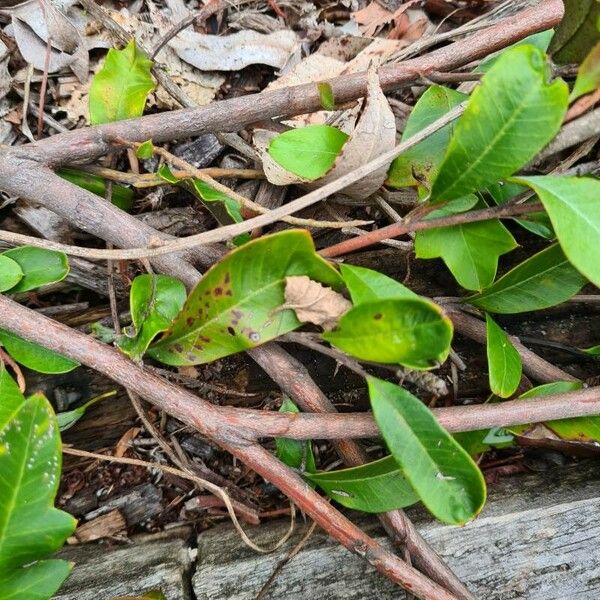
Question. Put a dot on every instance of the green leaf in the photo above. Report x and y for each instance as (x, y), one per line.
(421, 163)
(537, 223)
(411, 332)
(308, 152)
(39, 581)
(580, 429)
(294, 453)
(30, 527)
(121, 196)
(226, 210)
(155, 301)
(366, 285)
(326, 95)
(593, 351)
(540, 40)
(35, 357)
(119, 90)
(68, 418)
(237, 304)
(504, 363)
(145, 150)
(378, 486)
(588, 77)
(39, 266)
(481, 440)
(10, 273)
(511, 116)
(437, 467)
(543, 280)
(470, 250)
(577, 33)
(573, 206)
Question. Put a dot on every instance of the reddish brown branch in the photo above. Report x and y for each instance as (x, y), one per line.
(311, 399)
(240, 425)
(407, 226)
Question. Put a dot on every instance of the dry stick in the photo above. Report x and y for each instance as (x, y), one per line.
(533, 365)
(223, 427)
(233, 114)
(397, 525)
(242, 426)
(230, 504)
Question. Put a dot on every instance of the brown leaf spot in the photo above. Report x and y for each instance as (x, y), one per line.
(231, 330)
(190, 321)
(229, 293)
(377, 316)
(204, 339)
(218, 291)
(226, 279)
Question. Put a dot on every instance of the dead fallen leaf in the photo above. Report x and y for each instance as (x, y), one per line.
(374, 16)
(314, 303)
(5, 78)
(34, 23)
(237, 51)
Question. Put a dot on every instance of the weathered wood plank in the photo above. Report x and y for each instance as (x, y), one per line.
(537, 539)
(152, 562)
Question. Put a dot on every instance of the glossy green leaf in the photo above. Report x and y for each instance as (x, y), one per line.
(578, 31)
(540, 40)
(378, 486)
(119, 90)
(35, 357)
(543, 280)
(421, 163)
(441, 472)
(31, 529)
(155, 301)
(588, 77)
(326, 95)
(580, 429)
(237, 304)
(504, 363)
(39, 266)
(470, 250)
(409, 331)
(366, 285)
(294, 453)
(308, 152)
(537, 223)
(10, 273)
(145, 150)
(511, 116)
(68, 418)
(574, 209)
(121, 196)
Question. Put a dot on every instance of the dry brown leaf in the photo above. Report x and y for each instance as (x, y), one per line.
(314, 303)
(33, 24)
(123, 444)
(374, 16)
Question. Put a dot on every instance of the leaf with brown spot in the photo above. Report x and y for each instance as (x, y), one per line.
(257, 275)
(313, 302)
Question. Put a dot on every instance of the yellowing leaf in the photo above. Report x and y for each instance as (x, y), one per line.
(119, 90)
